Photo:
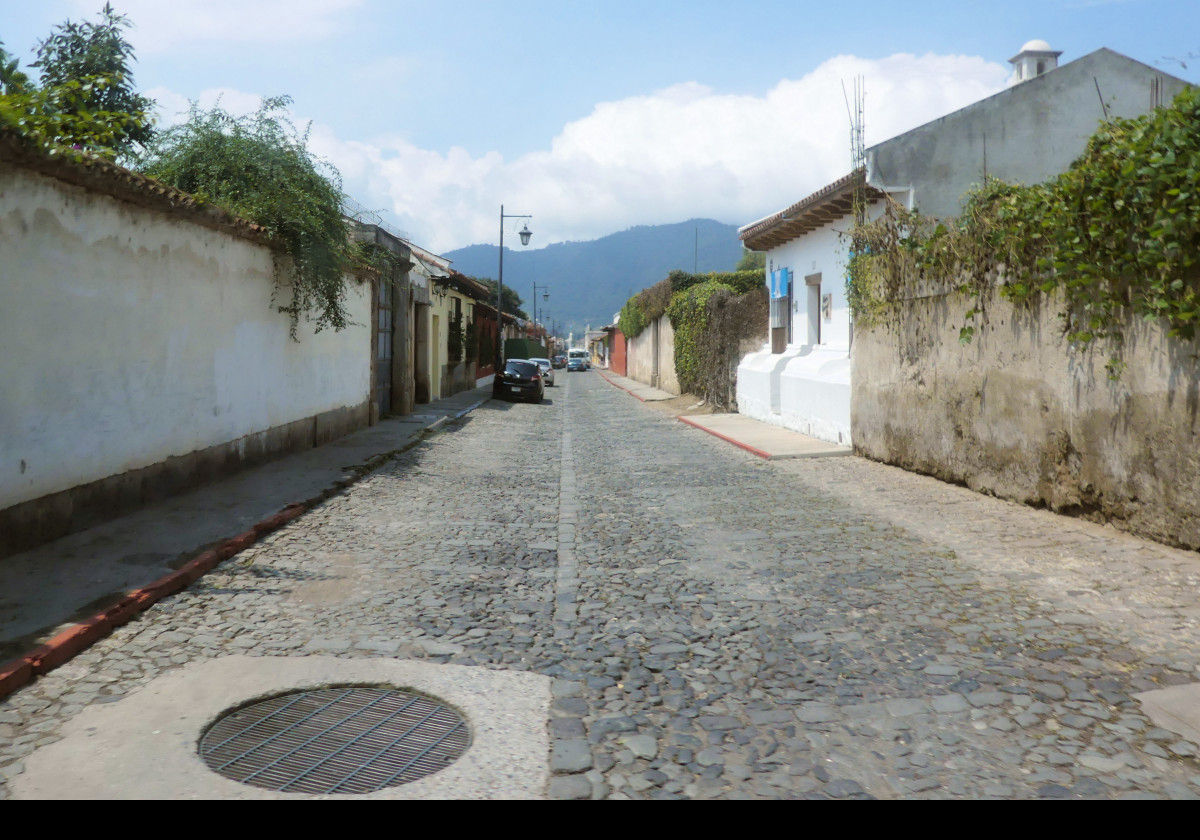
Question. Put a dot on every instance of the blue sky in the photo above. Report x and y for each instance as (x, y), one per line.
(598, 116)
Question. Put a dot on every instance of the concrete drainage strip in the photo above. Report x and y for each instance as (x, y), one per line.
(145, 745)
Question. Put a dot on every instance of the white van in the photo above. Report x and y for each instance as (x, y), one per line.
(578, 360)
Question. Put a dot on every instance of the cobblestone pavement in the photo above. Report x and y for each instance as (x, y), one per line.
(717, 625)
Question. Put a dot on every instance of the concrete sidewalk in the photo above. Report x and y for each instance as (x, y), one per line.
(46, 590)
(643, 392)
(762, 439)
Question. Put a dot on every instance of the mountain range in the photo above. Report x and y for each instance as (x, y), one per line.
(588, 282)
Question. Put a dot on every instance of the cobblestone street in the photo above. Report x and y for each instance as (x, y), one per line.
(716, 625)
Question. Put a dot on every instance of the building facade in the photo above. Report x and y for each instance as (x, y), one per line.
(1027, 133)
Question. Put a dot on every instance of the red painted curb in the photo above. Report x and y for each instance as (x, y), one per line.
(68, 643)
(274, 523)
(72, 641)
(124, 612)
(169, 584)
(726, 438)
(604, 376)
(14, 674)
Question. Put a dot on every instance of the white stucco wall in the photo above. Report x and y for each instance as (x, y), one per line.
(128, 337)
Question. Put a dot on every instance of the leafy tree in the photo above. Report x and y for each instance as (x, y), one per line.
(86, 99)
(12, 80)
(58, 119)
(752, 261)
(510, 300)
(259, 167)
(97, 53)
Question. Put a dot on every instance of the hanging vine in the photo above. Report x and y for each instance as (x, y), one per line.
(1117, 235)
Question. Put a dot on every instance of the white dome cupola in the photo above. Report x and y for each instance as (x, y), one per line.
(1034, 59)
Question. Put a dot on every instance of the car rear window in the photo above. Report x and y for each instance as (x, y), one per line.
(521, 369)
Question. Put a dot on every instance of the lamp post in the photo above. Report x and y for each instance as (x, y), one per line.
(545, 296)
(524, 233)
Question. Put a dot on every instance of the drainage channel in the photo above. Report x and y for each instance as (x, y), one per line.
(348, 739)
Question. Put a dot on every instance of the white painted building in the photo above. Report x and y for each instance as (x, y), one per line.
(1027, 133)
(801, 377)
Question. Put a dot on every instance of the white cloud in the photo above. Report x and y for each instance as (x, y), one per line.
(160, 26)
(677, 153)
(173, 107)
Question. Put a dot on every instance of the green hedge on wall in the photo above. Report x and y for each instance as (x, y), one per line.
(689, 318)
(652, 303)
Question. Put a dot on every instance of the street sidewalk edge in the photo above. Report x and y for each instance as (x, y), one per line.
(615, 385)
(741, 445)
(62, 647)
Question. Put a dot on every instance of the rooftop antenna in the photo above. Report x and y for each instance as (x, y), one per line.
(1103, 106)
(858, 153)
(858, 164)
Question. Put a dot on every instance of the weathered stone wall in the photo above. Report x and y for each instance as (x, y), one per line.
(1018, 414)
(639, 358)
(650, 358)
(667, 379)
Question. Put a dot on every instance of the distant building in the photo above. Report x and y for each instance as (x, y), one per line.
(1027, 133)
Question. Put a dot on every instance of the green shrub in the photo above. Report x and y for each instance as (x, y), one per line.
(740, 281)
(259, 167)
(690, 320)
(632, 320)
(652, 303)
(58, 119)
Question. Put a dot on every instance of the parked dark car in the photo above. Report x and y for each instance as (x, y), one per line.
(520, 380)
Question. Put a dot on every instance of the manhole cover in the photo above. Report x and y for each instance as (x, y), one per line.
(347, 739)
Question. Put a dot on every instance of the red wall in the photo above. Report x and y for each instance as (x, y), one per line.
(616, 359)
(487, 328)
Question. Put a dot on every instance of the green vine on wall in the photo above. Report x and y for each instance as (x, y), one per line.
(471, 341)
(1117, 234)
(454, 337)
(259, 167)
(652, 303)
(710, 320)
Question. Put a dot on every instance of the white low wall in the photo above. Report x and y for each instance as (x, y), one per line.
(805, 388)
(128, 337)
(814, 394)
(758, 393)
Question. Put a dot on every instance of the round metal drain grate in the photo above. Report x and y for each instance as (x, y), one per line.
(348, 739)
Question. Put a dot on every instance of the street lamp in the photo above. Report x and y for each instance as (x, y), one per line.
(545, 296)
(524, 233)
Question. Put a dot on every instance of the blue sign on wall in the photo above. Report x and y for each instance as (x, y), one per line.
(781, 281)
